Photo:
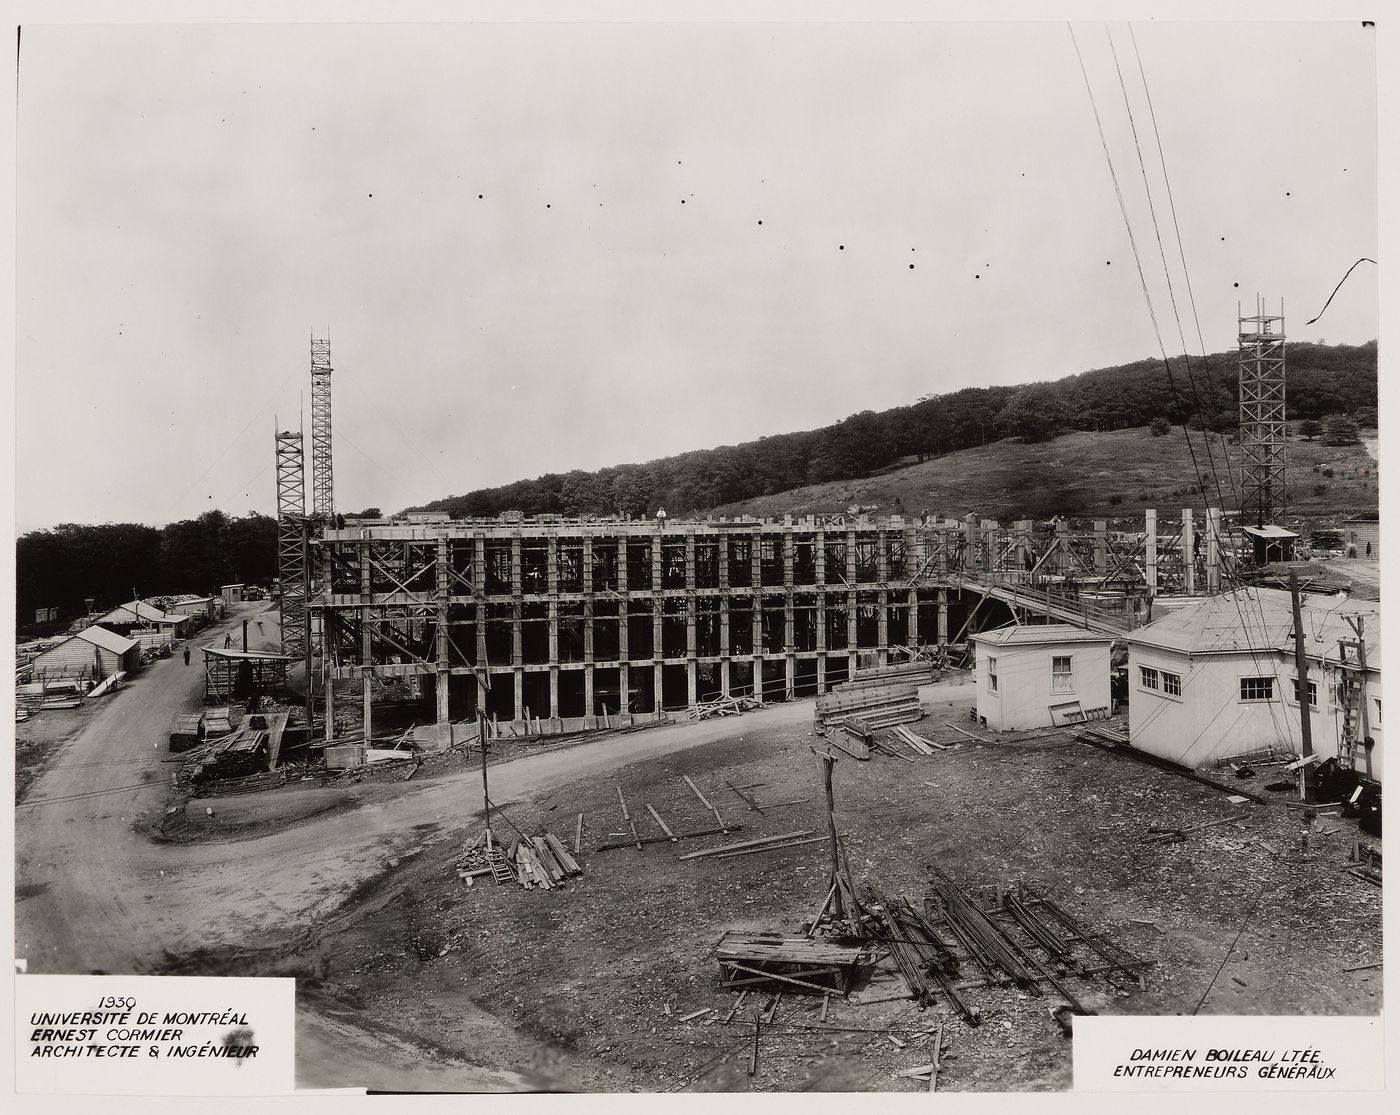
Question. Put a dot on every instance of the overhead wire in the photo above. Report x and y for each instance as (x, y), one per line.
(1132, 240)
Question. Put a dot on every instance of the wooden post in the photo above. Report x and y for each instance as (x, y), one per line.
(481, 739)
(1300, 660)
(827, 762)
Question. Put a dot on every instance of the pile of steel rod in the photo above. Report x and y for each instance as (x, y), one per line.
(984, 941)
(921, 955)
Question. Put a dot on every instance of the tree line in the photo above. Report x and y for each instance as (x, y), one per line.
(109, 563)
(1321, 380)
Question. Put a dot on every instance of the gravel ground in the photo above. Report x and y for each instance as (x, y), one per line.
(597, 974)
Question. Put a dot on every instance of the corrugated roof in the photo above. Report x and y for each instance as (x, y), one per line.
(1036, 633)
(1268, 532)
(1261, 619)
(107, 640)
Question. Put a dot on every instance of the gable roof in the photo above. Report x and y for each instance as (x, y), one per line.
(1261, 619)
(107, 640)
(1036, 634)
(140, 611)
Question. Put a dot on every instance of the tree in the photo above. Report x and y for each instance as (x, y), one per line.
(1034, 413)
(1160, 427)
(1366, 417)
(1339, 430)
(1309, 428)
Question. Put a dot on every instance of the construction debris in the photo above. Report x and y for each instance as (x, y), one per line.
(723, 706)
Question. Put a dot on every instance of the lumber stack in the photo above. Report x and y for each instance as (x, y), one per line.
(914, 673)
(877, 706)
(540, 862)
(240, 753)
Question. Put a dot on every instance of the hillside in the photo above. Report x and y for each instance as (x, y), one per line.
(1321, 380)
(1111, 473)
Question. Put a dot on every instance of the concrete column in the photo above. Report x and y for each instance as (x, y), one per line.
(882, 622)
(691, 682)
(657, 670)
(943, 617)
(366, 652)
(553, 659)
(1212, 549)
(551, 564)
(974, 562)
(1101, 547)
(724, 677)
(1150, 529)
(519, 677)
(1188, 550)
(588, 704)
(330, 699)
(553, 691)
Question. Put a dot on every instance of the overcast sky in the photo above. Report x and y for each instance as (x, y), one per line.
(547, 247)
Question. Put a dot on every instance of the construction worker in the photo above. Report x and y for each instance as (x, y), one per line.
(187, 656)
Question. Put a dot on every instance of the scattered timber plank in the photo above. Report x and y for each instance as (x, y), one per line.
(611, 846)
(773, 1007)
(708, 804)
(753, 1055)
(657, 817)
(937, 1058)
(780, 804)
(747, 844)
(1365, 967)
(695, 1014)
(570, 865)
(965, 732)
(739, 1002)
(1163, 764)
(771, 848)
(578, 834)
(826, 1002)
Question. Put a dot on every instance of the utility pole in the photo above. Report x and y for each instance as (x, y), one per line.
(1300, 659)
(481, 739)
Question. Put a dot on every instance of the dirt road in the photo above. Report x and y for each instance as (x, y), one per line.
(97, 895)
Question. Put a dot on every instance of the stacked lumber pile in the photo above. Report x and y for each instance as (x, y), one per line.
(186, 732)
(801, 963)
(915, 673)
(532, 861)
(237, 755)
(878, 706)
(722, 706)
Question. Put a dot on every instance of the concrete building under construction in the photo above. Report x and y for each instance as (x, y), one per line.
(573, 622)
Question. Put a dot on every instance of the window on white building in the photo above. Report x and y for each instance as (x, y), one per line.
(1378, 711)
(992, 674)
(1062, 673)
(1312, 693)
(1148, 677)
(1171, 684)
(1256, 689)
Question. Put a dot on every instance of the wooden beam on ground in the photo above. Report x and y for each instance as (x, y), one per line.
(578, 834)
(661, 839)
(772, 847)
(657, 817)
(747, 844)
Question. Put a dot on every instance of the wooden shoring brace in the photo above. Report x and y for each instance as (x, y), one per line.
(936, 1059)
(705, 802)
(843, 896)
(753, 1054)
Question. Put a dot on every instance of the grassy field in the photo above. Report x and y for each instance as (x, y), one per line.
(1088, 474)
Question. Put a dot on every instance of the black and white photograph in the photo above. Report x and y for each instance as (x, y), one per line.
(703, 554)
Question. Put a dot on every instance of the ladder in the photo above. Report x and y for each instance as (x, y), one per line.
(1351, 687)
(498, 861)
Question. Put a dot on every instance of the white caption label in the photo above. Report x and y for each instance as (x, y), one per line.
(1174, 1053)
(154, 1035)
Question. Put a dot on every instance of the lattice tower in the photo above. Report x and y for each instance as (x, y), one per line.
(291, 551)
(1263, 430)
(322, 480)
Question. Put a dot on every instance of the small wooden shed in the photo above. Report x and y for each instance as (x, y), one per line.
(93, 653)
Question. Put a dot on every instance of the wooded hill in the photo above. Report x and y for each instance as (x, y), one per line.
(1321, 380)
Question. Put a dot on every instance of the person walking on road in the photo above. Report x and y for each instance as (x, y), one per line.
(187, 656)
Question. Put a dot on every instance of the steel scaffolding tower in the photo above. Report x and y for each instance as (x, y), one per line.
(291, 542)
(322, 482)
(1263, 487)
